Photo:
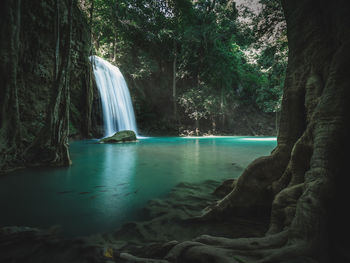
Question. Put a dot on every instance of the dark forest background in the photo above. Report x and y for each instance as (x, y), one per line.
(207, 67)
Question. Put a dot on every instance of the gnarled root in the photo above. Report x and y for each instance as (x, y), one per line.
(269, 241)
(257, 178)
(208, 249)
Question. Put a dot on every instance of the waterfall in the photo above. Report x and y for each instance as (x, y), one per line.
(118, 113)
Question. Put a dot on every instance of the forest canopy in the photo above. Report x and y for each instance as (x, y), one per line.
(196, 59)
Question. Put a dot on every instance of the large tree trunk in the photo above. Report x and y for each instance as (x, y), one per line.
(44, 48)
(51, 145)
(10, 131)
(302, 183)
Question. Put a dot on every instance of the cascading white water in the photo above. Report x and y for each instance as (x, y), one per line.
(118, 113)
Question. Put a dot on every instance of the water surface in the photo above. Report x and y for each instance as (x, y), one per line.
(109, 184)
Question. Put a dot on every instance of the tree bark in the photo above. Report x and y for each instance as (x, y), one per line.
(35, 71)
(10, 128)
(88, 83)
(51, 145)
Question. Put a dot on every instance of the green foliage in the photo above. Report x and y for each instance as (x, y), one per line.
(207, 44)
(271, 35)
(273, 62)
(198, 104)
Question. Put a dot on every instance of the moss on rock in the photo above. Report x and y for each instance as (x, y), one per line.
(120, 136)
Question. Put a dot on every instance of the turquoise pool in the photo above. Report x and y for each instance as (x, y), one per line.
(108, 185)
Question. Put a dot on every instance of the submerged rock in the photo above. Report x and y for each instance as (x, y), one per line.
(120, 136)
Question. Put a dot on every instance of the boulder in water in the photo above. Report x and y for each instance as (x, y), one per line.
(119, 137)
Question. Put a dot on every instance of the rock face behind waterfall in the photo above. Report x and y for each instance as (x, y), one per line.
(119, 137)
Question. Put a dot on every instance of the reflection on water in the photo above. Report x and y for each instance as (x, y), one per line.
(108, 185)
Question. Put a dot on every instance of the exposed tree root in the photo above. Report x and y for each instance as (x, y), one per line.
(283, 208)
(269, 241)
(130, 258)
(207, 249)
(257, 178)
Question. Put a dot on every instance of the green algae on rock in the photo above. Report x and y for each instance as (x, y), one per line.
(119, 137)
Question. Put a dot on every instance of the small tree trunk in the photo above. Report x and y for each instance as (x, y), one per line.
(88, 84)
(115, 49)
(174, 83)
(91, 26)
(213, 124)
(197, 126)
(222, 109)
(57, 35)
